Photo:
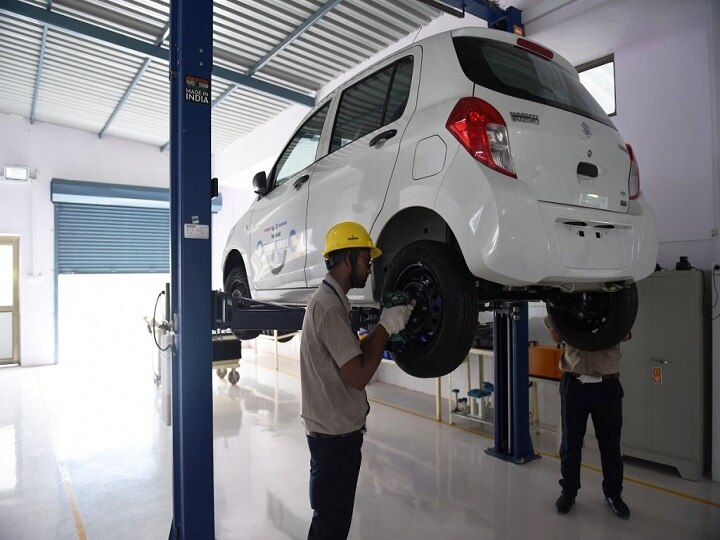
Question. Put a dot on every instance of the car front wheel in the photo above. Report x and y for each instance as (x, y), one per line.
(594, 320)
(236, 284)
(442, 326)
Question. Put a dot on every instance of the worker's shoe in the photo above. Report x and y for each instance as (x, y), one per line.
(618, 506)
(564, 503)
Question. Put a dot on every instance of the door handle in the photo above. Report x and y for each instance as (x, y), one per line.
(297, 184)
(389, 134)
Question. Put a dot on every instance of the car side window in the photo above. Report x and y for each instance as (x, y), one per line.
(372, 103)
(302, 148)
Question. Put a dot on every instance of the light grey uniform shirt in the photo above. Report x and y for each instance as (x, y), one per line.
(595, 363)
(330, 405)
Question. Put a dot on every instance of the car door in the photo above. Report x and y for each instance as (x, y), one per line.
(350, 182)
(277, 231)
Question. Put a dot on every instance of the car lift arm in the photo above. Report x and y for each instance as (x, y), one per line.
(509, 19)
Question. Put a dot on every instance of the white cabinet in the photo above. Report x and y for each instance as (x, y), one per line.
(663, 372)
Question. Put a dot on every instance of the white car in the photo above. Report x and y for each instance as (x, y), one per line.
(484, 171)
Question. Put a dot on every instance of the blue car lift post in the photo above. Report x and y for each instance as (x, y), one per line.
(510, 320)
(510, 352)
(195, 310)
(191, 59)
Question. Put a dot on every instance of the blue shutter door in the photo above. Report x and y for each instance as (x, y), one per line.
(100, 239)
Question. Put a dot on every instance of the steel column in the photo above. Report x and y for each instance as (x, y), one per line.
(190, 192)
(512, 410)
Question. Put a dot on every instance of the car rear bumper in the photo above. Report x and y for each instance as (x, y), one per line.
(509, 237)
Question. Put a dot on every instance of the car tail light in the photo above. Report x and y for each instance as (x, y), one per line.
(634, 177)
(482, 131)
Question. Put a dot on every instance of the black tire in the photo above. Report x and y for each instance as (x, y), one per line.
(236, 284)
(594, 320)
(442, 327)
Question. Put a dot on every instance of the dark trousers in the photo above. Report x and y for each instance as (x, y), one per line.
(603, 402)
(334, 470)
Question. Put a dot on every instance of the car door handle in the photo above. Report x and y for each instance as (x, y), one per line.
(389, 134)
(297, 184)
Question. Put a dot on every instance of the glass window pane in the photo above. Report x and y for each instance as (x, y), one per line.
(516, 72)
(600, 82)
(361, 108)
(6, 275)
(400, 90)
(6, 335)
(302, 148)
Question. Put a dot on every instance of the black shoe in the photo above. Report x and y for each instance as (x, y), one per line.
(564, 504)
(618, 506)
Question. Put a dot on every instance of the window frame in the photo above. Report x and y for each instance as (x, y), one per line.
(273, 174)
(388, 91)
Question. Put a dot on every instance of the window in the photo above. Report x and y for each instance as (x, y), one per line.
(301, 150)
(513, 71)
(372, 103)
(599, 79)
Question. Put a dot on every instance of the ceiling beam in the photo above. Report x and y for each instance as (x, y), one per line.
(56, 20)
(125, 97)
(262, 86)
(38, 76)
(307, 23)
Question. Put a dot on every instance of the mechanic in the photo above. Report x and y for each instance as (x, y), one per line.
(590, 386)
(335, 367)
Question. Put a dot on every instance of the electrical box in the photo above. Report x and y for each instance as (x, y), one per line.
(664, 374)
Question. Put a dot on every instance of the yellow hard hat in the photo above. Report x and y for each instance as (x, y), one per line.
(349, 234)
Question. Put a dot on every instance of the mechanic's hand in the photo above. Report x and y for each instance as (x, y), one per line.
(395, 318)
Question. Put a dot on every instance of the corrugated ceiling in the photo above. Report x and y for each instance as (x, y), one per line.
(58, 65)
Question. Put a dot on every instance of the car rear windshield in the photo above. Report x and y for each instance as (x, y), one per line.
(517, 72)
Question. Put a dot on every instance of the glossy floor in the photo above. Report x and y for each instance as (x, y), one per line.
(84, 454)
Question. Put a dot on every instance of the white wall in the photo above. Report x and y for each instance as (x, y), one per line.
(664, 103)
(25, 208)
(714, 47)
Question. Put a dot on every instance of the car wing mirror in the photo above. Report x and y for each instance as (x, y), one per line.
(260, 183)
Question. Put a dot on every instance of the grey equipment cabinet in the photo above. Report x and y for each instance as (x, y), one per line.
(663, 374)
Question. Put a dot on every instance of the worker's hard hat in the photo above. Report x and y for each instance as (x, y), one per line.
(348, 235)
